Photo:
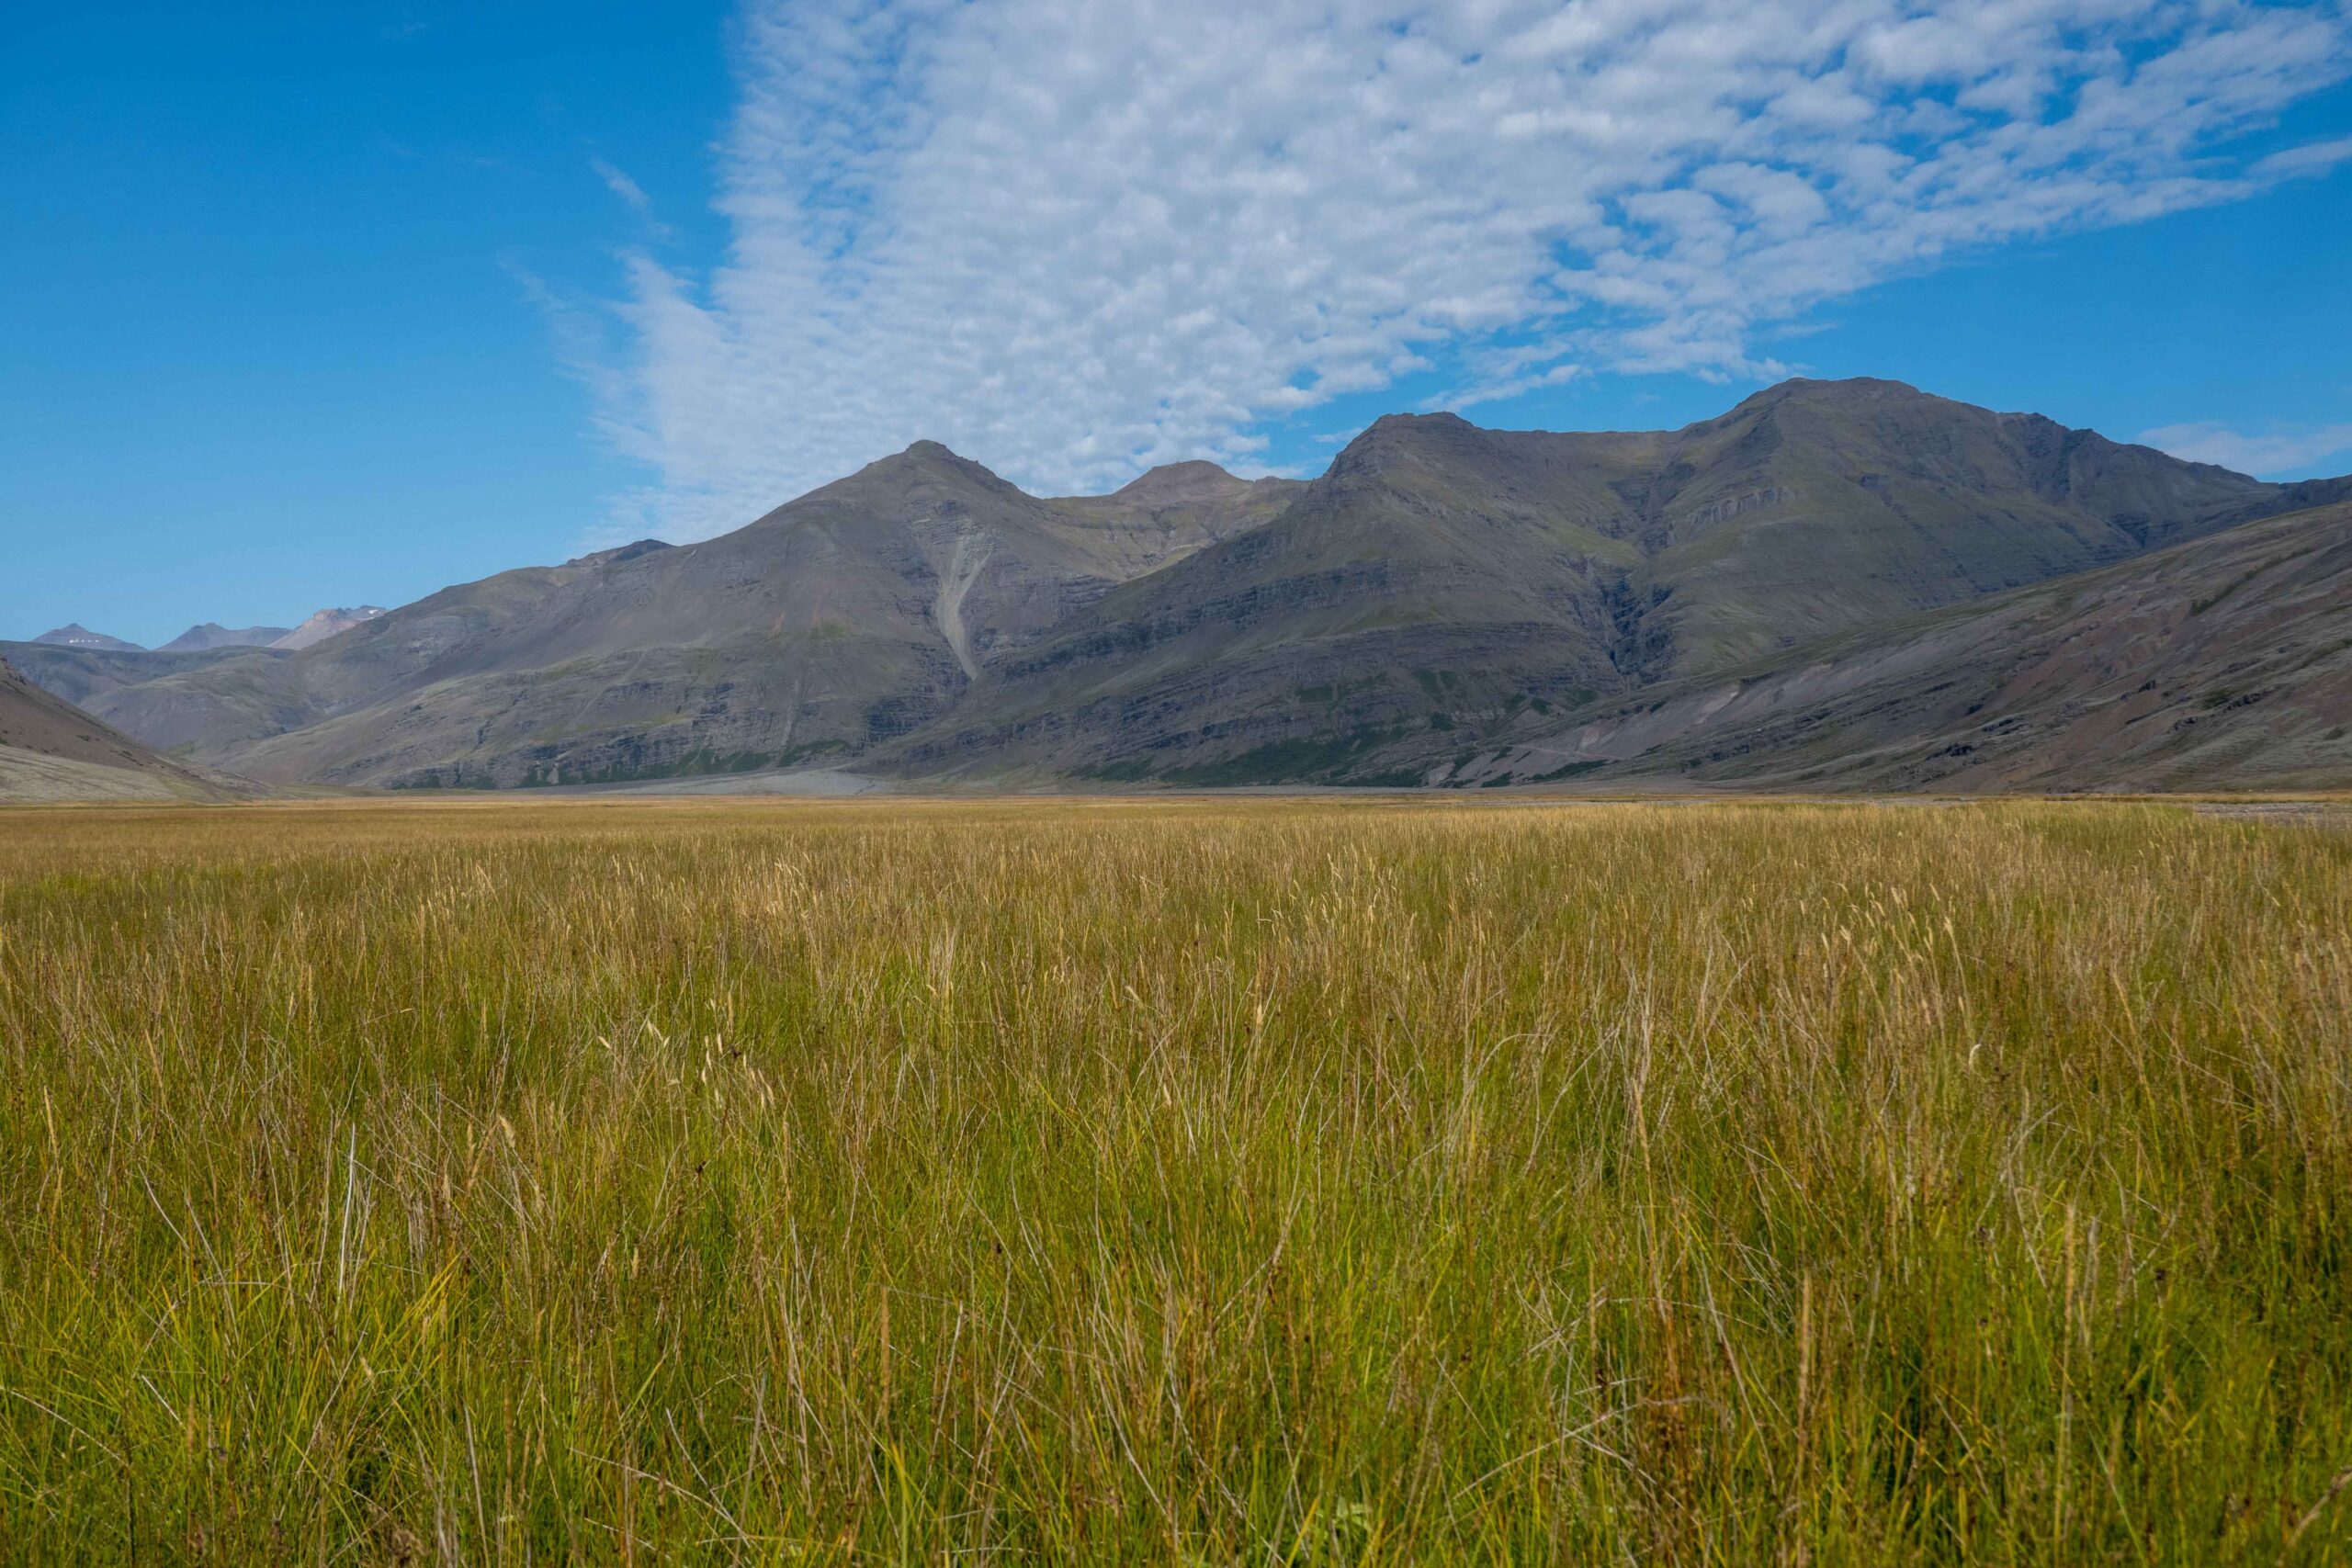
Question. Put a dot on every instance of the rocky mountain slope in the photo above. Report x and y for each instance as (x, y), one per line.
(2226, 659)
(1443, 599)
(324, 624)
(51, 750)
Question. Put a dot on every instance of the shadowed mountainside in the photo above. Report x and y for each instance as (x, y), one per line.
(2225, 660)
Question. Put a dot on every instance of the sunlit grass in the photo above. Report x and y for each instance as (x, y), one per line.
(1214, 1181)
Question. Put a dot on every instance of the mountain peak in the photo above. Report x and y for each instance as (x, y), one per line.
(327, 623)
(73, 634)
(928, 456)
(1410, 437)
(930, 461)
(1840, 389)
(933, 455)
(1177, 482)
(1443, 419)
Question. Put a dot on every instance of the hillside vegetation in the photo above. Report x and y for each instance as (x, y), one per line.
(1205, 1181)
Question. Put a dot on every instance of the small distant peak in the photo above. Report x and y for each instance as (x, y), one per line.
(73, 634)
(1190, 468)
(931, 459)
(210, 634)
(1172, 481)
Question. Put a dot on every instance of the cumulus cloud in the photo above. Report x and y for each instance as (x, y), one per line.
(2265, 456)
(1073, 238)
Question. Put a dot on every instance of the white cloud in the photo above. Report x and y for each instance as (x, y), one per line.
(2267, 455)
(2311, 159)
(617, 181)
(1074, 237)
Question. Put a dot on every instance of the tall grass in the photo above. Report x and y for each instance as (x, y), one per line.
(1216, 1182)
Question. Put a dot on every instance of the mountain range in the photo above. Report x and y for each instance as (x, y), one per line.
(1846, 584)
(212, 634)
(208, 635)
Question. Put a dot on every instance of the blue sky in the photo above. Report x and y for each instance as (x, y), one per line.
(312, 305)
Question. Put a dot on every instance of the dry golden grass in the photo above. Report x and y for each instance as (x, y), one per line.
(1208, 1181)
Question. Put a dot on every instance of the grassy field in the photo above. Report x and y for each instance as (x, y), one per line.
(1191, 1182)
